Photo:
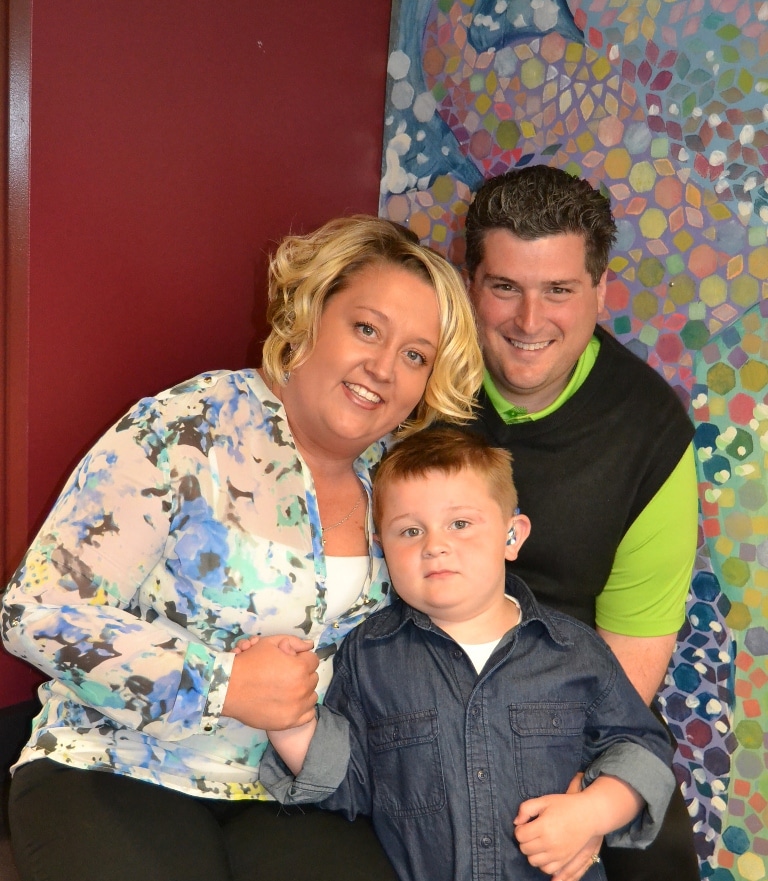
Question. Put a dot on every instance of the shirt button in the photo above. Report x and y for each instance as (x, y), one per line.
(475, 712)
(395, 733)
(336, 624)
(457, 653)
(555, 721)
(207, 727)
(486, 841)
(482, 774)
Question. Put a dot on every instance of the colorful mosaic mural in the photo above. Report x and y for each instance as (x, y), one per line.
(664, 106)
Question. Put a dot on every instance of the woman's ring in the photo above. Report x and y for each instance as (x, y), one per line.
(595, 859)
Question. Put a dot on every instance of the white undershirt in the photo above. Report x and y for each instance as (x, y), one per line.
(346, 577)
(480, 652)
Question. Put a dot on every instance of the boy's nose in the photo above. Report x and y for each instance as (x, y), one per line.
(434, 547)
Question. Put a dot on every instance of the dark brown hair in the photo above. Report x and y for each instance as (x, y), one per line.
(539, 201)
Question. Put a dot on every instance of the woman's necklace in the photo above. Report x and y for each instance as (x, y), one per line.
(325, 529)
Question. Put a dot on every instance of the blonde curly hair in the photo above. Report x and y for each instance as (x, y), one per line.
(306, 270)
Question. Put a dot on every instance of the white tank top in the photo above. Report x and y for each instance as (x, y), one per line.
(346, 577)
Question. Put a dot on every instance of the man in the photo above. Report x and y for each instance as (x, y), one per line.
(601, 444)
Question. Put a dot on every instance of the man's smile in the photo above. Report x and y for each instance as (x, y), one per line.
(528, 347)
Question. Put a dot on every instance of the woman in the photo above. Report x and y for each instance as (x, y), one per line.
(233, 505)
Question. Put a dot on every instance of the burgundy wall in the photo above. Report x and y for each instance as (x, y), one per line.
(171, 145)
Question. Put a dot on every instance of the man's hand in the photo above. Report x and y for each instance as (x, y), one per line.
(273, 683)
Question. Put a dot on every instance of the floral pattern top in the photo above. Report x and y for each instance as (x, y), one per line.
(193, 522)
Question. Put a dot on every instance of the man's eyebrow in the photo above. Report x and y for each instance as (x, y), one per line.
(550, 282)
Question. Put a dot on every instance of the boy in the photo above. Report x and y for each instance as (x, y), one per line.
(457, 716)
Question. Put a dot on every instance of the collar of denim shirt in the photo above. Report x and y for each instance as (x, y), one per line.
(391, 619)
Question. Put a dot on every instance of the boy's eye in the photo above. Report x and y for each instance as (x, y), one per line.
(411, 532)
(460, 524)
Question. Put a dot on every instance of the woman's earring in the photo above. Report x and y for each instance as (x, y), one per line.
(511, 536)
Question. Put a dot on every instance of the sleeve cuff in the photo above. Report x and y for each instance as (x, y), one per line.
(221, 669)
(325, 766)
(200, 687)
(649, 776)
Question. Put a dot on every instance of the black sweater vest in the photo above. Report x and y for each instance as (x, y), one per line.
(585, 472)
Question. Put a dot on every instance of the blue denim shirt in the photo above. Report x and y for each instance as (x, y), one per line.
(442, 757)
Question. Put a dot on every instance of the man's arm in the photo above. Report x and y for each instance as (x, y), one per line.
(643, 658)
(642, 606)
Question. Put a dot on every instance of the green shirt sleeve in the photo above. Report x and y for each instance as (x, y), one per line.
(651, 575)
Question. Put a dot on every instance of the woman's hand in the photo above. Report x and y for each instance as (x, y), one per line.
(273, 683)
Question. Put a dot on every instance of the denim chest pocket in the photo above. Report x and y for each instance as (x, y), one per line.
(406, 766)
(548, 739)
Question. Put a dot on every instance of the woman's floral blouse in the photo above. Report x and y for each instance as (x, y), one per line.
(191, 523)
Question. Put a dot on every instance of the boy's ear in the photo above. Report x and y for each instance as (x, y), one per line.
(519, 530)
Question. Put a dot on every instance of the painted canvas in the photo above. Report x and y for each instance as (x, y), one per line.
(663, 105)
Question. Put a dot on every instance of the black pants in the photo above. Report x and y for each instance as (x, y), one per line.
(72, 825)
(671, 856)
